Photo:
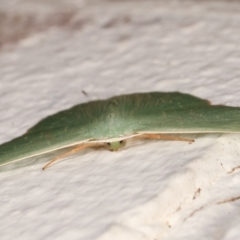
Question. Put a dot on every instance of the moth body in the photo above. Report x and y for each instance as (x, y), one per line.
(109, 123)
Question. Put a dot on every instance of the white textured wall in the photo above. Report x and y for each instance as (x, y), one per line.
(152, 189)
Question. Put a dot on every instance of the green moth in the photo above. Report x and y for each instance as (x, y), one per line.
(110, 123)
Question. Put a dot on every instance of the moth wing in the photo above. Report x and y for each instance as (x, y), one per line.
(178, 113)
(121, 117)
(66, 128)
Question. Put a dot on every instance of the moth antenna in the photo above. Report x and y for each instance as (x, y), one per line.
(162, 136)
(74, 150)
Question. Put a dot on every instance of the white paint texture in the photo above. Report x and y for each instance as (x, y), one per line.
(154, 189)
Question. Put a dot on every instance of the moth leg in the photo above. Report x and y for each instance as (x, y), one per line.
(74, 150)
(163, 136)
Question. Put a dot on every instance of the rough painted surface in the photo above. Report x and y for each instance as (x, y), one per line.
(152, 189)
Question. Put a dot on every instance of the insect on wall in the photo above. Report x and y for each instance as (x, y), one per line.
(110, 123)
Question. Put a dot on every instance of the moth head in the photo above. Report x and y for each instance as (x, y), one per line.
(115, 146)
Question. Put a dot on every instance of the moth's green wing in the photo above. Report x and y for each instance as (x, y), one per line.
(119, 117)
(63, 129)
(179, 113)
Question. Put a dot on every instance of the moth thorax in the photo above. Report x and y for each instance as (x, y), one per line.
(115, 146)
